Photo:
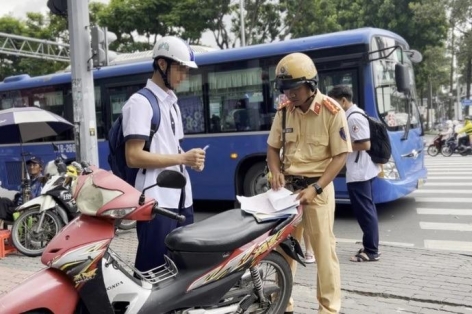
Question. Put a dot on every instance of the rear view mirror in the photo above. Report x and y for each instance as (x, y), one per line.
(402, 78)
(414, 55)
(171, 179)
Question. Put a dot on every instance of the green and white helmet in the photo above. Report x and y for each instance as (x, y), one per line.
(176, 49)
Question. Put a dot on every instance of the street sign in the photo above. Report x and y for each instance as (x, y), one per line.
(466, 102)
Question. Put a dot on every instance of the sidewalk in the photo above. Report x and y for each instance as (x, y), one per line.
(405, 280)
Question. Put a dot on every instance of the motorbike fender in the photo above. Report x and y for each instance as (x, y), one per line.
(62, 213)
(292, 248)
(44, 202)
(47, 289)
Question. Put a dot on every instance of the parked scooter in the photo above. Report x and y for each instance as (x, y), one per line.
(224, 264)
(41, 218)
(435, 147)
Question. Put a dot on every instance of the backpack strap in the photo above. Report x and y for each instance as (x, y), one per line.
(365, 116)
(156, 116)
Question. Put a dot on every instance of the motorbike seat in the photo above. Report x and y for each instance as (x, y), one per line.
(220, 233)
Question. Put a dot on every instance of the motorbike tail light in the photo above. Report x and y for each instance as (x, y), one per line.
(118, 213)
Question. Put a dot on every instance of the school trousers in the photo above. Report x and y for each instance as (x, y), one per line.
(362, 203)
(151, 237)
(318, 220)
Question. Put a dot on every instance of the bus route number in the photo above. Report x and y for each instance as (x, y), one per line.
(66, 148)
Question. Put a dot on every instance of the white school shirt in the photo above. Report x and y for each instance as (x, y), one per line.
(364, 169)
(137, 114)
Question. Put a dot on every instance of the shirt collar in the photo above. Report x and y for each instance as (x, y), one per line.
(351, 109)
(317, 101)
(162, 96)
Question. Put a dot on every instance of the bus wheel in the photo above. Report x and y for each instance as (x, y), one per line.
(255, 180)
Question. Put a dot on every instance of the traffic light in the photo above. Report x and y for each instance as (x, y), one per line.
(101, 38)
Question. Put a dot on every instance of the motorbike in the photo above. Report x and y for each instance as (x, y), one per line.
(224, 264)
(40, 219)
(453, 145)
(435, 147)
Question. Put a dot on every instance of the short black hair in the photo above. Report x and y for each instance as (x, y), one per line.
(340, 91)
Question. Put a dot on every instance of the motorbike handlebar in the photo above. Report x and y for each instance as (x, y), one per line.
(165, 212)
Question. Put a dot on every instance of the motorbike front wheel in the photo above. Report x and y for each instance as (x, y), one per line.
(127, 224)
(433, 150)
(25, 235)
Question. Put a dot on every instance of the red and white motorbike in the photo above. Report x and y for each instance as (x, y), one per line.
(224, 264)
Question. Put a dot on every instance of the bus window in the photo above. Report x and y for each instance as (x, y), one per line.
(13, 99)
(118, 96)
(100, 119)
(236, 100)
(189, 93)
(50, 101)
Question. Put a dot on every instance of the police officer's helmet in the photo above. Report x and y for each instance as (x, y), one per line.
(294, 70)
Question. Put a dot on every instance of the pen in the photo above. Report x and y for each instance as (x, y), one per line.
(206, 147)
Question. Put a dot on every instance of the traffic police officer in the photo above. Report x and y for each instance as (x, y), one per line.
(315, 151)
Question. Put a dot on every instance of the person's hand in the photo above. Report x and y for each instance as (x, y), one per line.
(277, 181)
(307, 195)
(194, 158)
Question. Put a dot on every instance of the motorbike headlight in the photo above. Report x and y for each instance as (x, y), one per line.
(390, 171)
(118, 213)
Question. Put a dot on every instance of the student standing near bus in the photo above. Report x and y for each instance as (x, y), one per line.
(360, 173)
(316, 150)
(172, 59)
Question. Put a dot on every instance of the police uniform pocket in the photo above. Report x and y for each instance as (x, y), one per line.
(290, 143)
(317, 147)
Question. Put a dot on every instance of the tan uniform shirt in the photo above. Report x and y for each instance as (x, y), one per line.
(312, 138)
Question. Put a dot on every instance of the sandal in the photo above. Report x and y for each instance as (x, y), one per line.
(309, 258)
(362, 256)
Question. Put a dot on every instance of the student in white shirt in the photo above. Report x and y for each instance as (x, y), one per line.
(172, 59)
(360, 173)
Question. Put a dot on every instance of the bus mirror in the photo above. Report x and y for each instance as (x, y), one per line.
(414, 55)
(402, 78)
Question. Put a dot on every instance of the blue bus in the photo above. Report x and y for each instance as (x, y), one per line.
(229, 103)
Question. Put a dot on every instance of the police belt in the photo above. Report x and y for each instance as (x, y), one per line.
(300, 182)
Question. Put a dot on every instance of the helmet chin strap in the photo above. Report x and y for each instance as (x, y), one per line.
(165, 75)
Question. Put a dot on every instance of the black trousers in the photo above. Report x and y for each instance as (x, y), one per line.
(7, 208)
(360, 194)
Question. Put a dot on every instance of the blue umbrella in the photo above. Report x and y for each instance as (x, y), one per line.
(19, 125)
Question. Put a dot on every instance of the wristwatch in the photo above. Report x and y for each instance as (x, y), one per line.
(318, 188)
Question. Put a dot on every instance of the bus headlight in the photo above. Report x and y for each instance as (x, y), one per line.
(389, 171)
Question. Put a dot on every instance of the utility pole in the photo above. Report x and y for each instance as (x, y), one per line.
(241, 13)
(83, 97)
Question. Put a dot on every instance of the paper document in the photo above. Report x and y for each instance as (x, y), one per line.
(271, 204)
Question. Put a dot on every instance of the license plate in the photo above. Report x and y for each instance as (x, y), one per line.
(420, 183)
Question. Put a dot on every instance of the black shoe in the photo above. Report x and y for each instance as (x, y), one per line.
(288, 312)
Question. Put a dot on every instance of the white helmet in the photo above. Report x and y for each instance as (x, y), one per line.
(455, 122)
(449, 123)
(176, 49)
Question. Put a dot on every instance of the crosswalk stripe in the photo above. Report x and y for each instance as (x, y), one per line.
(431, 191)
(448, 178)
(448, 245)
(444, 211)
(464, 200)
(403, 244)
(463, 184)
(446, 226)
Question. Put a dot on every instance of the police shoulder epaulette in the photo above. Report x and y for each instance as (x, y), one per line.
(331, 106)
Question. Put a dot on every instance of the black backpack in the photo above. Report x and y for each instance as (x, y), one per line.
(380, 147)
(116, 142)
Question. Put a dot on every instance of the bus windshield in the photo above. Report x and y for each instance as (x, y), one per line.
(393, 106)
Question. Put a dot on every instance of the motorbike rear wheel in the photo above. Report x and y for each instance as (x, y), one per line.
(25, 237)
(277, 289)
(433, 150)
